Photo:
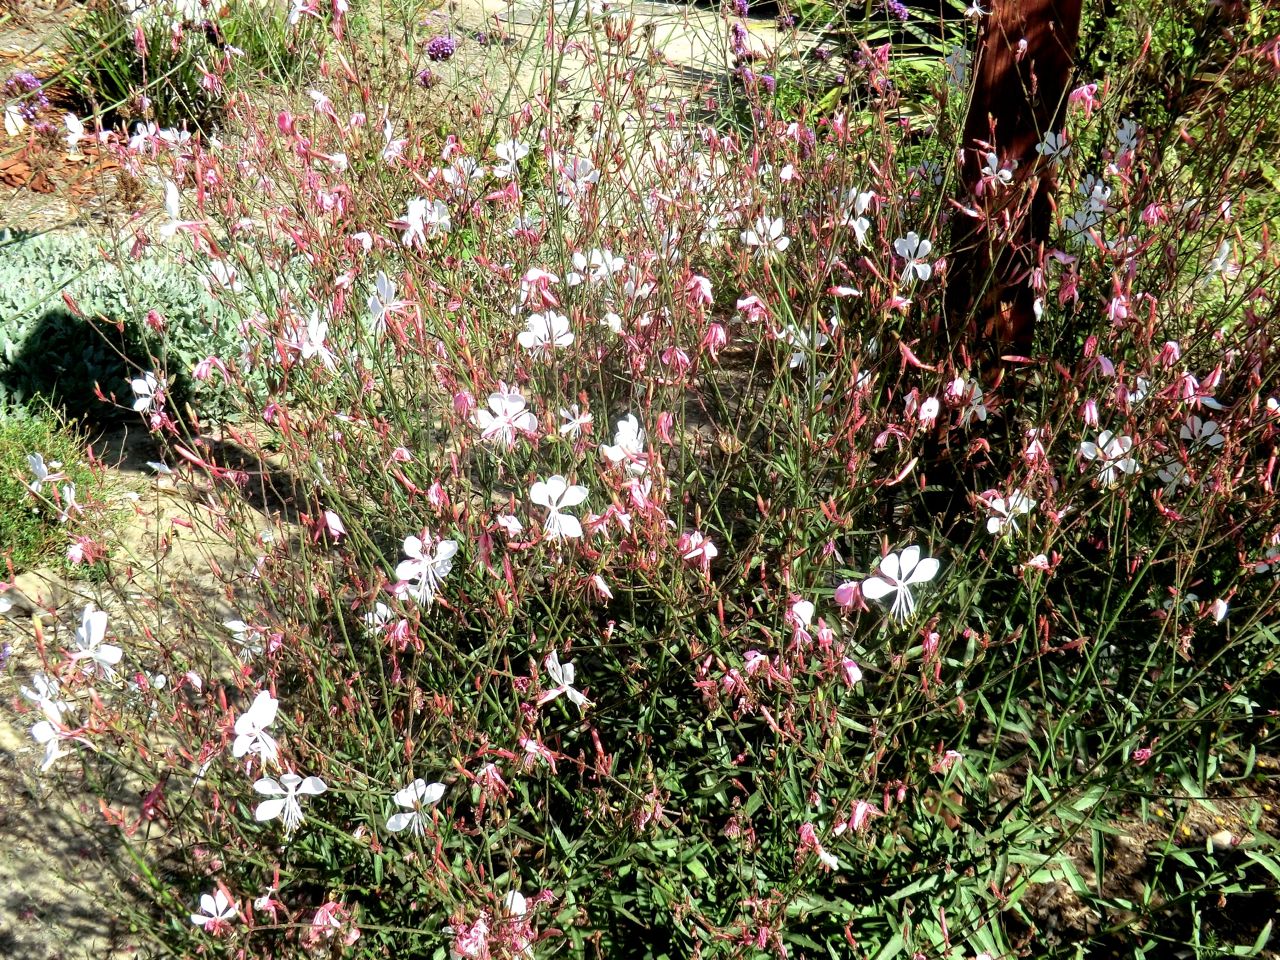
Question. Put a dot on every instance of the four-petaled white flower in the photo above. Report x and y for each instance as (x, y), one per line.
(556, 494)
(311, 343)
(766, 236)
(251, 729)
(44, 692)
(575, 421)
(422, 221)
(147, 391)
(803, 344)
(563, 676)
(44, 472)
(102, 657)
(544, 332)
(382, 302)
(897, 574)
(1007, 510)
(510, 152)
(1054, 147)
(628, 446)
(994, 173)
(1202, 433)
(215, 909)
(855, 205)
(1112, 454)
(284, 802)
(913, 251)
(595, 266)
(412, 800)
(505, 418)
(424, 571)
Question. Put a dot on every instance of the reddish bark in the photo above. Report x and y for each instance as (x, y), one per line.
(1019, 94)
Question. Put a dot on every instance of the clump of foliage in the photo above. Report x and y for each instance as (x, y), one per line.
(34, 522)
(79, 320)
(670, 576)
(173, 62)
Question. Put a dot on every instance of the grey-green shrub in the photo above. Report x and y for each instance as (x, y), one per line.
(73, 316)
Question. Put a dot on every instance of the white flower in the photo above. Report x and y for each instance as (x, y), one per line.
(971, 395)
(1202, 433)
(214, 910)
(563, 676)
(103, 657)
(544, 332)
(628, 445)
(394, 148)
(413, 799)
(1127, 135)
(510, 152)
(382, 302)
(803, 345)
(45, 694)
(147, 390)
(1112, 454)
(1054, 147)
(312, 342)
(505, 418)
(1269, 562)
(14, 121)
(44, 472)
(595, 266)
(913, 251)
(251, 729)
(1222, 264)
(422, 221)
(997, 175)
(765, 236)
(1096, 192)
(898, 572)
(424, 572)
(463, 171)
(575, 421)
(855, 205)
(285, 803)
(555, 493)
(1007, 510)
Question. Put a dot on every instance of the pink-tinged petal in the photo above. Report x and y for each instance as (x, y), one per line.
(877, 588)
(270, 809)
(1089, 450)
(925, 571)
(208, 904)
(397, 822)
(313, 786)
(200, 920)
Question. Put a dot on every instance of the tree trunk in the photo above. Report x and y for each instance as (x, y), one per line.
(1023, 69)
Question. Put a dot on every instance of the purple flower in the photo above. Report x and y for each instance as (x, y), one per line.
(29, 91)
(441, 48)
(897, 9)
(786, 21)
(428, 79)
(739, 7)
